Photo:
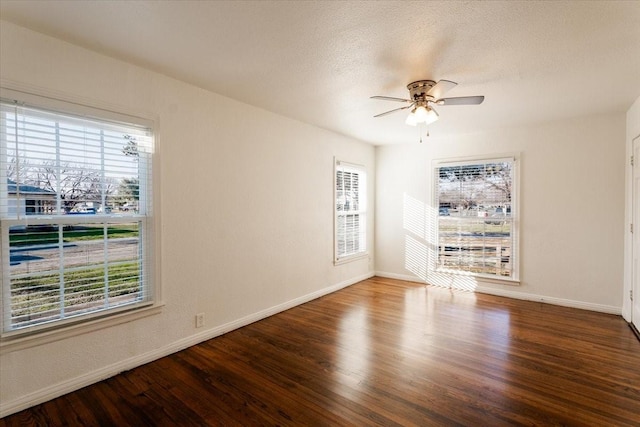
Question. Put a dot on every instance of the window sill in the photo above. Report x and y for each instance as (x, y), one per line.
(498, 281)
(351, 258)
(21, 342)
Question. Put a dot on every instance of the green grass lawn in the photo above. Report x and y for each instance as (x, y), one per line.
(474, 227)
(38, 294)
(71, 234)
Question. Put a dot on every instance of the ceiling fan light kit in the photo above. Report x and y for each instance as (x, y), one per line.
(423, 94)
(422, 114)
(411, 119)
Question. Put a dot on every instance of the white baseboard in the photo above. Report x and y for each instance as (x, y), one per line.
(68, 386)
(551, 300)
(405, 277)
(509, 293)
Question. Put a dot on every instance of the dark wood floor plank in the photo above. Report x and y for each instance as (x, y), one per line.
(382, 352)
(292, 372)
(192, 399)
(299, 369)
(157, 409)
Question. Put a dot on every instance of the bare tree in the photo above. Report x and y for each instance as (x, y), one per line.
(14, 165)
(131, 147)
(467, 185)
(75, 184)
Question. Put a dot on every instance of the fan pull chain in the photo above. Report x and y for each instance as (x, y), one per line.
(420, 131)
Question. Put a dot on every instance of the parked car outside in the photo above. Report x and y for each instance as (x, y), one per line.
(498, 216)
(82, 211)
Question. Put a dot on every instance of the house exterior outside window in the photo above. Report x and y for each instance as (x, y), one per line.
(29, 199)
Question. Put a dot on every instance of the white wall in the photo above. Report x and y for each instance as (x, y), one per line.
(571, 198)
(633, 130)
(246, 213)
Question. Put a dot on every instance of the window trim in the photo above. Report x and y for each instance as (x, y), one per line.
(515, 159)
(64, 103)
(337, 258)
(44, 336)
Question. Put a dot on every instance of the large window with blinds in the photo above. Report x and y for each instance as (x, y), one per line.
(477, 218)
(75, 209)
(350, 211)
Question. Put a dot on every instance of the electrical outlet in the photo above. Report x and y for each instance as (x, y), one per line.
(199, 320)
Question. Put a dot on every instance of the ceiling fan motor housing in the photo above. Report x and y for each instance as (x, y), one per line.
(418, 90)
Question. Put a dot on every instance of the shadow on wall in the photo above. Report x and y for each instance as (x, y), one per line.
(421, 248)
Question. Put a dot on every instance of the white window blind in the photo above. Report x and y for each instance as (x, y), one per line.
(351, 210)
(476, 227)
(75, 207)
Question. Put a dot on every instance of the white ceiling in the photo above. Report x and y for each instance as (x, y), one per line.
(319, 62)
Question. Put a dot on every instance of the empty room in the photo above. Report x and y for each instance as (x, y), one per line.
(367, 213)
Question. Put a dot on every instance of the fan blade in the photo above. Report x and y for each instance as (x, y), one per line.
(390, 98)
(461, 100)
(393, 111)
(441, 88)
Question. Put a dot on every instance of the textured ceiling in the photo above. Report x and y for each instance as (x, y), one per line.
(319, 62)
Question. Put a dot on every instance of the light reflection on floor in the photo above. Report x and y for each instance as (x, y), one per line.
(422, 336)
(354, 350)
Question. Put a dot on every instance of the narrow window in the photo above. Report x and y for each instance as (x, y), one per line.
(476, 220)
(75, 209)
(350, 211)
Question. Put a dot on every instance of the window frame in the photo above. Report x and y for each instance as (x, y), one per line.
(149, 222)
(514, 160)
(362, 212)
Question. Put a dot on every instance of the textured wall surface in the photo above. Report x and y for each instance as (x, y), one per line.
(245, 201)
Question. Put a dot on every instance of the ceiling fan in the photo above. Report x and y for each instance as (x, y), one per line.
(423, 95)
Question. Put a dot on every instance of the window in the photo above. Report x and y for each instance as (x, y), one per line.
(351, 211)
(477, 217)
(75, 210)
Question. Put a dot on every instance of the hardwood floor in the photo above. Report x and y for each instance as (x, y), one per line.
(382, 352)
